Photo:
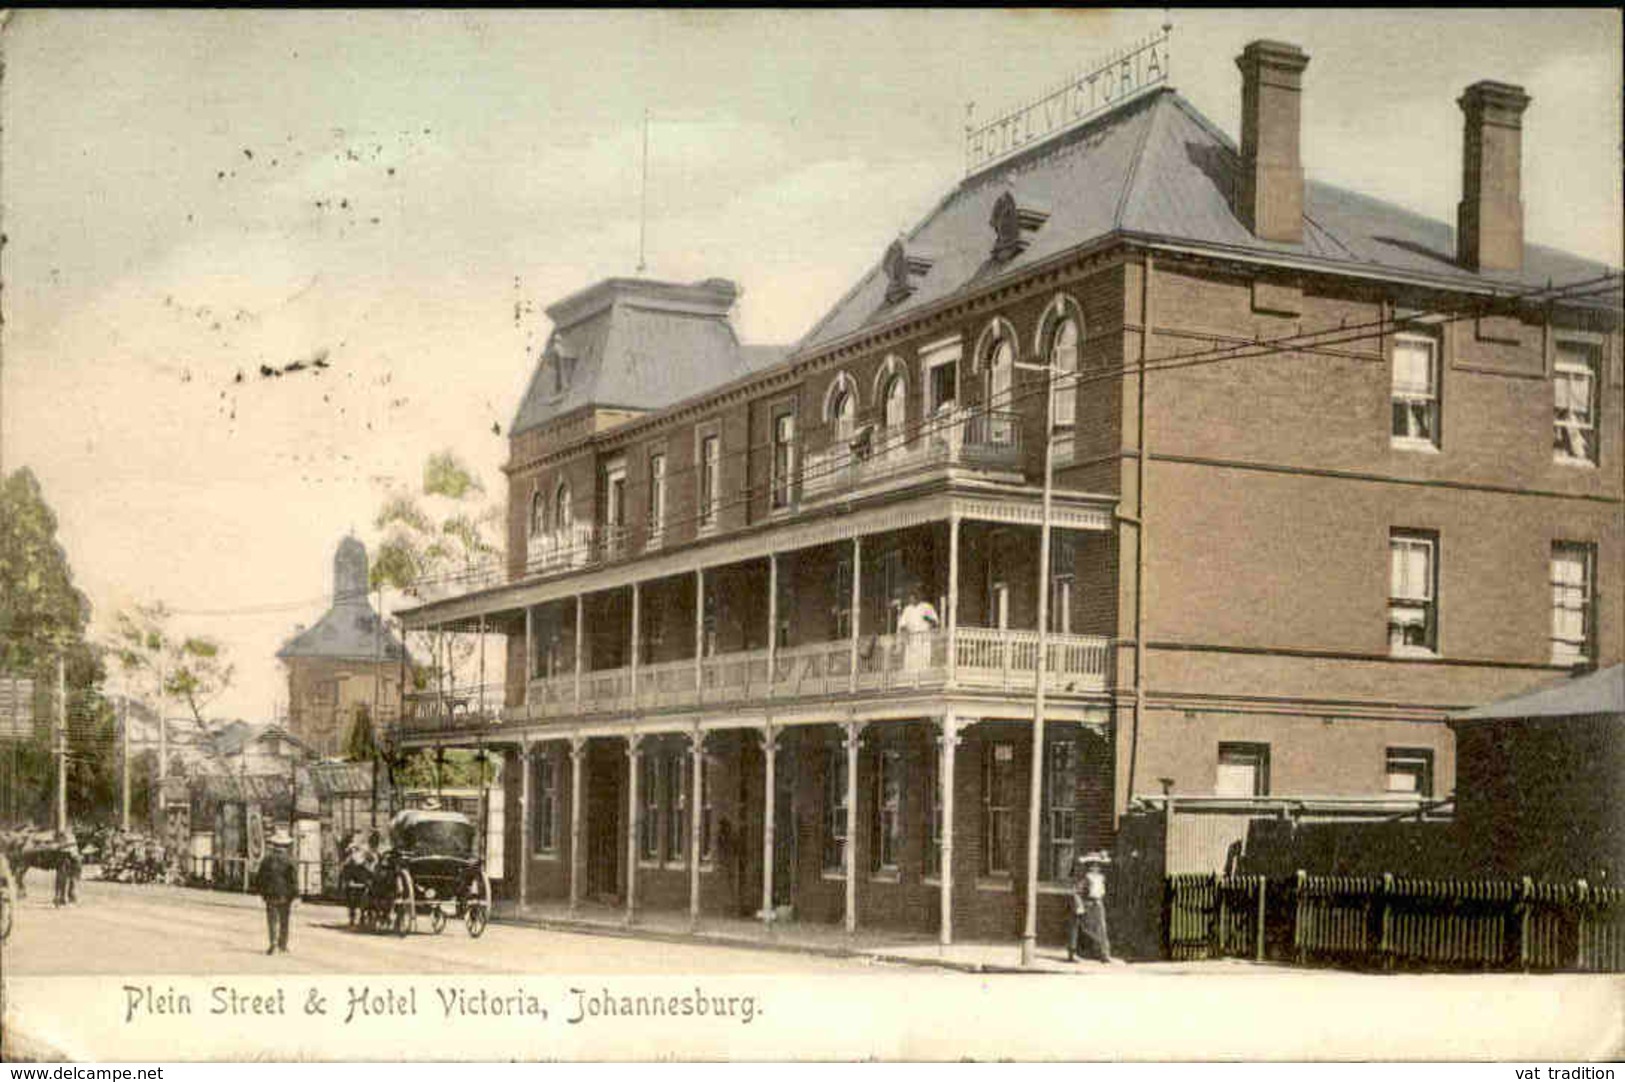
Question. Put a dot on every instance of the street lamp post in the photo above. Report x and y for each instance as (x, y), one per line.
(1029, 933)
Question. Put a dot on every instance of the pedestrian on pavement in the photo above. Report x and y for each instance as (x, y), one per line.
(278, 888)
(68, 867)
(1087, 937)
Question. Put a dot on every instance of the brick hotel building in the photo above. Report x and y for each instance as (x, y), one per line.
(1324, 472)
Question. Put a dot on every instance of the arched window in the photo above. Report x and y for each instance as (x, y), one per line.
(843, 413)
(563, 513)
(997, 359)
(1063, 360)
(895, 409)
(538, 513)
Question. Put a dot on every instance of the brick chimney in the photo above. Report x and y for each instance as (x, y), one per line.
(1269, 198)
(1489, 218)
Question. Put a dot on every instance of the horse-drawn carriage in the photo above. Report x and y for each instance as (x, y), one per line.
(432, 866)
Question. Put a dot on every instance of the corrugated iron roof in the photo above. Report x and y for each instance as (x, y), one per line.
(1157, 169)
(1600, 692)
(339, 779)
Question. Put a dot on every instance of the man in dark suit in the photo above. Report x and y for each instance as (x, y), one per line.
(279, 886)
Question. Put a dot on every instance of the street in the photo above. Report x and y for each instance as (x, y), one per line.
(150, 972)
(122, 928)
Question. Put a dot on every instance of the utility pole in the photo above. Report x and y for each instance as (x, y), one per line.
(163, 731)
(1035, 794)
(61, 744)
(124, 761)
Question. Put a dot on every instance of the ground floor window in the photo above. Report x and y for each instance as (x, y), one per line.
(544, 810)
(998, 807)
(887, 840)
(649, 807)
(1244, 770)
(835, 809)
(1409, 771)
(674, 805)
(1059, 818)
(933, 816)
(708, 817)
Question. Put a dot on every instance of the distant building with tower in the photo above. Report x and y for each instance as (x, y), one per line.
(347, 665)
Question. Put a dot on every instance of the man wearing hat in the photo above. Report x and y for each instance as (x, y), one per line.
(1087, 935)
(68, 868)
(279, 885)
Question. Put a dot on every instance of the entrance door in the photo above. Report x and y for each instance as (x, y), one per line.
(784, 826)
(605, 838)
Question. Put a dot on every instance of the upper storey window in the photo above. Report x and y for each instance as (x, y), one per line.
(1413, 570)
(1061, 330)
(710, 480)
(564, 514)
(1415, 392)
(1574, 435)
(784, 458)
(843, 414)
(997, 359)
(538, 514)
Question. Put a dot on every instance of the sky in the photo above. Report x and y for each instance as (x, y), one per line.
(190, 195)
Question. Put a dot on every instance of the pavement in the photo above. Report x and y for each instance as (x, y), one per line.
(792, 937)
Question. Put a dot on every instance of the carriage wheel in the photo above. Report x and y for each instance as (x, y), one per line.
(437, 920)
(406, 903)
(478, 912)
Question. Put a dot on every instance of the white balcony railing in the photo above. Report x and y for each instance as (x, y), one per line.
(559, 550)
(987, 659)
(975, 441)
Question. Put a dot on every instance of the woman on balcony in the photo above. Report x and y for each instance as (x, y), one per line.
(914, 625)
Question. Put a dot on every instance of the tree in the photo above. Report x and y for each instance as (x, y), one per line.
(43, 617)
(447, 534)
(190, 669)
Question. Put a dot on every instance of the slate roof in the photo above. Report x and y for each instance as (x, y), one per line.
(1601, 692)
(1157, 170)
(348, 631)
(639, 344)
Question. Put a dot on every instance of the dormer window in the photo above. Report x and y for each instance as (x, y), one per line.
(1013, 225)
(904, 269)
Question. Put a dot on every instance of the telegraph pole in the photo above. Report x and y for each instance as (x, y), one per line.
(124, 761)
(163, 732)
(61, 744)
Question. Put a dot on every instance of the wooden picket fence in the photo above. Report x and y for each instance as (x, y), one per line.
(1387, 922)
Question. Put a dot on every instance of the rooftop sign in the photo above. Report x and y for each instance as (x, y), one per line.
(1121, 76)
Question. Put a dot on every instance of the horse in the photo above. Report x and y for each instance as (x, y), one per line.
(61, 861)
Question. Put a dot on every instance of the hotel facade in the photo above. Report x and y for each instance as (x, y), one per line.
(1321, 472)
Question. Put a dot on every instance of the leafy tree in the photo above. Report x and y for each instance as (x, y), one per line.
(189, 669)
(43, 617)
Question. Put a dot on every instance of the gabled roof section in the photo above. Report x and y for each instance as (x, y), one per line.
(635, 343)
(349, 631)
(1155, 169)
(1578, 696)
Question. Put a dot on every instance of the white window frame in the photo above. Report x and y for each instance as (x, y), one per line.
(1416, 763)
(837, 833)
(1251, 755)
(1406, 594)
(1409, 396)
(998, 818)
(931, 359)
(888, 812)
(1566, 370)
(781, 494)
(1573, 597)
(657, 497)
(708, 477)
(1060, 809)
(1064, 387)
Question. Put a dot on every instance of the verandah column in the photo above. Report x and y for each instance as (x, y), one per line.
(857, 599)
(578, 650)
(525, 797)
(947, 742)
(697, 788)
(578, 756)
(699, 633)
(770, 743)
(637, 629)
(854, 734)
(634, 758)
(772, 622)
(953, 599)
